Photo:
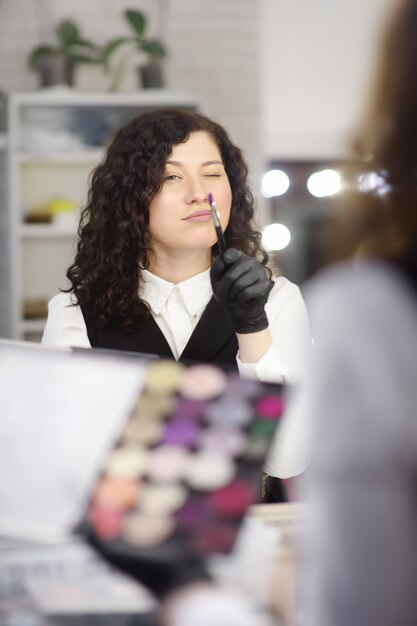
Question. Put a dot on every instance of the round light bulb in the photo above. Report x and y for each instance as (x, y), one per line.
(324, 183)
(274, 183)
(275, 237)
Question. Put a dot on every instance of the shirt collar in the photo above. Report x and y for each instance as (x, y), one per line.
(195, 292)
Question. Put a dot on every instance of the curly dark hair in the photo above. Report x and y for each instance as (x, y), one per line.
(114, 240)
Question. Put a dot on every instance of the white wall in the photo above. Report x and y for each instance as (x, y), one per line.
(316, 58)
(214, 52)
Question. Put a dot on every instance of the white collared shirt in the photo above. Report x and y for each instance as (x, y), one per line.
(177, 310)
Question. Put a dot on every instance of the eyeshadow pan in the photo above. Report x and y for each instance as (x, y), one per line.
(185, 407)
(181, 431)
(146, 431)
(229, 411)
(264, 428)
(227, 440)
(168, 463)
(153, 406)
(127, 462)
(270, 407)
(164, 377)
(193, 513)
(117, 493)
(162, 499)
(210, 470)
(241, 387)
(233, 500)
(202, 382)
(147, 530)
(107, 523)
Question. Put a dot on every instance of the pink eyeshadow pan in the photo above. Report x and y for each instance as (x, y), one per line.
(270, 407)
(168, 464)
(233, 500)
(202, 382)
(107, 523)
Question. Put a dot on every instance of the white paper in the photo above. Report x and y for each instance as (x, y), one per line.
(59, 414)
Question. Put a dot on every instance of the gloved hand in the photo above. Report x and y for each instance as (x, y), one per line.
(162, 569)
(242, 286)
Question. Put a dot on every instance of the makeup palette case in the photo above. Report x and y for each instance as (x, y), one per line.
(188, 462)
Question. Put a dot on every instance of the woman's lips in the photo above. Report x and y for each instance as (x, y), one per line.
(198, 216)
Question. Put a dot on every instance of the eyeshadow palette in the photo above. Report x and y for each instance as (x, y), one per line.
(189, 458)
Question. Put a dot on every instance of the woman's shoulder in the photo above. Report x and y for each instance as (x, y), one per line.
(62, 300)
(283, 287)
(369, 295)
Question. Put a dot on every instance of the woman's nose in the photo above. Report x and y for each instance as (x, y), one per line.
(196, 192)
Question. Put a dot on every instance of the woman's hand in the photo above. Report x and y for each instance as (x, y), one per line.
(241, 285)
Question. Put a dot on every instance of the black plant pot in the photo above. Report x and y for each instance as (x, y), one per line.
(152, 75)
(55, 70)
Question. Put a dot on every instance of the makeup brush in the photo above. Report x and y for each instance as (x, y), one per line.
(216, 219)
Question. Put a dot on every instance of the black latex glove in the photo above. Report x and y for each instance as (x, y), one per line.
(162, 569)
(242, 286)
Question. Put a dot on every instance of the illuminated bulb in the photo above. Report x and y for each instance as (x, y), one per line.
(373, 182)
(324, 183)
(275, 237)
(274, 183)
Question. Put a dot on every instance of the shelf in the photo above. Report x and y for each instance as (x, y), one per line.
(32, 326)
(46, 231)
(82, 156)
(70, 97)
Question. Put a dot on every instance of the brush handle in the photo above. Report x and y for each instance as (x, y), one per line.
(217, 226)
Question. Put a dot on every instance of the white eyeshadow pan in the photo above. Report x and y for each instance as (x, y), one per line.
(210, 470)
(127, 462)
(162, 499)
(147, 530)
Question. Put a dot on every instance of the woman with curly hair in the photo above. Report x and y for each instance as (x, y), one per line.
(148, 264)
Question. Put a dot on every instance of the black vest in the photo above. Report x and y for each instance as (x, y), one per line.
(213, 339)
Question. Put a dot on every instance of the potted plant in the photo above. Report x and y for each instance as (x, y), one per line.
(153, 51)
(56, 62)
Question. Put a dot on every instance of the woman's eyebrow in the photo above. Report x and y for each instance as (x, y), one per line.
(179, 164)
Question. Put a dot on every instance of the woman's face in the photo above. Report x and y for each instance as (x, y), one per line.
(179, 215)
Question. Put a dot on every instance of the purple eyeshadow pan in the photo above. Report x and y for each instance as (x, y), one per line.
(187, 408)
(193, 513)
(240, 387)
(227, 440)
(183, 432)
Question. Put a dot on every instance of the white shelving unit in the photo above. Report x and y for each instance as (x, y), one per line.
(55, 139)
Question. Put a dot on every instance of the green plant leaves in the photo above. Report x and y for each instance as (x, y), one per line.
(154, 47)
(137, 21)
(39, 52)
(68, 33)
